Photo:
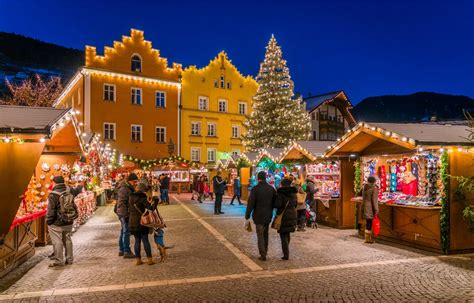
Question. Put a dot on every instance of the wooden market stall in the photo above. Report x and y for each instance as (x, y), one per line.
(34, 142)
(179, 171)
(412, 162)
(333, 178)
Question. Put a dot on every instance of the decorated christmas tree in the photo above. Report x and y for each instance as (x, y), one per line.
(277, 119)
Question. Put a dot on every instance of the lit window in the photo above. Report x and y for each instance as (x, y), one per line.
(211, 129)
(195, 128)
(136, 64)
(211, 155)
(136, 133)
(203, 103)
(235, 131)
(109, 131)
(222, 82)
(242, 108)
(160, 133)
(160, 99)
(136, 96)
(195, 154)
(109, 92)
(223, 106)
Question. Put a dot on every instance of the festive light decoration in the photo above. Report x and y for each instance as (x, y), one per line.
(276, 119)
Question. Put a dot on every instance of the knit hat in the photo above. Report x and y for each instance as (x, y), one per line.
(132, 177)
(58, 179)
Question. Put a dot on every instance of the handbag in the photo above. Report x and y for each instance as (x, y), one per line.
(300, 198)
(276, 224)
(376, 225)
(151, 218)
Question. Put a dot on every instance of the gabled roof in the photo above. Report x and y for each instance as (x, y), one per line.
(314, 102)
(317, 148)
(26, 119)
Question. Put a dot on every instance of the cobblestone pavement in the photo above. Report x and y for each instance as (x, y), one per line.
(215, 259)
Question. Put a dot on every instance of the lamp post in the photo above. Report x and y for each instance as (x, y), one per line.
(171, 147)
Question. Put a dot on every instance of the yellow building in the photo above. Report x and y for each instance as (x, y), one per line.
(215, 102)
(129, 95)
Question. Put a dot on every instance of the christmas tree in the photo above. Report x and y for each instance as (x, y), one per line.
(276, 119)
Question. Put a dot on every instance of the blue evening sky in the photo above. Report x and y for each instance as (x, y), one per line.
(366, 48)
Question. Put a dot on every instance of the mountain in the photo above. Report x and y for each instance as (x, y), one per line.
(421, 106)
(21, 57)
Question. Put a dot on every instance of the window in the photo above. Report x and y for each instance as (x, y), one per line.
(211, 129)
(236, 152)
(229, 85)
(160, 133)
(314, 135)
(203, 103)
(222, 82)
(195, 154)
(160, 99)
(223, 106)
(313, 116)
(242, 108)
(195, 128)
(109, 92)
(136, 96)
(136, 64)
(136, 133)
(216, 83)
(211, 155)
(109, 131)
(235, 131)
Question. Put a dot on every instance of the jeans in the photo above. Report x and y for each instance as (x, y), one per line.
(262, 238)
(238, 199)
(61, 238)
(285, 244)
(368, 225)
(164, 195)
(139, 238)
(301, 218)
(218, 203)
(124, 239)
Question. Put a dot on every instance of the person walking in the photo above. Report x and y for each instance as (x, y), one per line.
(286, 203)
(125, 189)
(370, 205)
(61, 213)
(138, 205)
(219, 186)
(301, 207)
(237, 189)
(260, 206)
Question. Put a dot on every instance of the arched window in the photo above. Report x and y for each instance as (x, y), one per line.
(136, 64)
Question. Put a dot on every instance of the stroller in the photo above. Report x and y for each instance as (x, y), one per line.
(311, 217)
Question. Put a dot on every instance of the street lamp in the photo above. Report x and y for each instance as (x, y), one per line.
(171, 147)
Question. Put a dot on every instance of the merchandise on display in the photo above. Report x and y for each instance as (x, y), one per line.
(326, 177)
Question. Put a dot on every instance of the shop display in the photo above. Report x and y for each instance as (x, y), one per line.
(326, 177)
(86, 205)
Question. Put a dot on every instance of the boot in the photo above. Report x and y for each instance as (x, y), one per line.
(139, 261)
(150, 261)
(368, 237)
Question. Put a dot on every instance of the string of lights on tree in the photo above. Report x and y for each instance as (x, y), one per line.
(276, 119)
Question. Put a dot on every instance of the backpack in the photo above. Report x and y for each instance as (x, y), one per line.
(67, 211)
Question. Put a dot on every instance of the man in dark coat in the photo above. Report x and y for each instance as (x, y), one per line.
(164, 189)
(125, 188)
(286, 203)
(60, 231)
(260, 205)
(237, 188)
(219, 185)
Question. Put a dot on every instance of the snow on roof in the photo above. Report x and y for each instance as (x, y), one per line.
(15, 119)
(315, 101)
(425, 133)
(317, 148)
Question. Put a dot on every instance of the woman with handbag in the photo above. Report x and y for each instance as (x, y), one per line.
(286, 203)
(370, 206)
(138, 205)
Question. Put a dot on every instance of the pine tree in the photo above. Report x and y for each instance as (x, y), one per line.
(276, 119)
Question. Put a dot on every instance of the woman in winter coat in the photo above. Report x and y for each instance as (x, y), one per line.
(286, 203)
(370, 206)
(310, 191)
(138, 205)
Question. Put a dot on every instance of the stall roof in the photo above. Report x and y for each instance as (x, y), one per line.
(429, 133)
(317, 148)
(397, 138)
(25, 119)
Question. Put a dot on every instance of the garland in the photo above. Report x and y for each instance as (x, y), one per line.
(357, 188)
(444, 215)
